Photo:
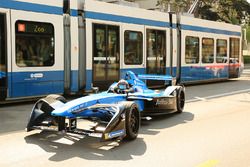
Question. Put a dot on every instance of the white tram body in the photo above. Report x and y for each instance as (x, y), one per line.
(50, 47)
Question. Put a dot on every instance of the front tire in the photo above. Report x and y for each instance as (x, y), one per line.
(57, 121)
(132, 120)
(180, 100)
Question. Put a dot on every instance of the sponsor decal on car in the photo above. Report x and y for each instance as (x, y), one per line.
(114, 134)
(163, 101)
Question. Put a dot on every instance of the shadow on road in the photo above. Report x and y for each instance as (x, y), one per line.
(69, 146)
(154, 126)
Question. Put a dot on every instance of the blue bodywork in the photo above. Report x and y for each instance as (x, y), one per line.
(2, 74)
(84, 102)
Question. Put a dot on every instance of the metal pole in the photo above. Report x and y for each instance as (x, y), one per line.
(82, 51)
(171, 43)
(67, 53)
(178, 67)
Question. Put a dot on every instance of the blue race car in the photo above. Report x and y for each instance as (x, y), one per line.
(116, 113)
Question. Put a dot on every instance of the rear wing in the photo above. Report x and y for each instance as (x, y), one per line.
(157, 77)
(131, 77)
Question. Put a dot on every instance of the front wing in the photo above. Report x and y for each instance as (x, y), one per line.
(108, 119)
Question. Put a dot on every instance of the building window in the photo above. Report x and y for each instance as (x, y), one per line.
(192, 50)
(207, 50)
(221, 51)
(133, 48)
(35, 44)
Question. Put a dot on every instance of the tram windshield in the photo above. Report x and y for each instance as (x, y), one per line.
(34, 44)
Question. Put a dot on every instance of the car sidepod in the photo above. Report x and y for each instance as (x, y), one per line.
(171, 100)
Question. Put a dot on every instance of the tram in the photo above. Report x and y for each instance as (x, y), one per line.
(70, 47)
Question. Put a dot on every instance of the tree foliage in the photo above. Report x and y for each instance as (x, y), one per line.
(230, 11)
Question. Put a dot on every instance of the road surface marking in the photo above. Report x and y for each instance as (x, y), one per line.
(218, 95)
(209, 163)
(200, 98)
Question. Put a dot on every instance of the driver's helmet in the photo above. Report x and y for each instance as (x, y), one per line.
(123, 84)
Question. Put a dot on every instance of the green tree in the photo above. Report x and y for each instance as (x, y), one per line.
(178, 5)
(248, 33)
(233, 11)
(230, 11)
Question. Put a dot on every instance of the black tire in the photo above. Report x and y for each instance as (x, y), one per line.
(42, 112)
(58, 121)
(180, 100)
(132, 120)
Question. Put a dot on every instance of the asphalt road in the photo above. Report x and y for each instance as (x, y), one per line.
(212, 131)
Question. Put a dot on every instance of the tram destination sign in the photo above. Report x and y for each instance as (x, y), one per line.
(34, 27)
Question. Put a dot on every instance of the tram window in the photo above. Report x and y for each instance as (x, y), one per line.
(207, 50)
(133, 48)
(192, 50)
(2, 57)
(156, 51)
(35, 45)
(221, 51)
(2, 48)
(234, 49)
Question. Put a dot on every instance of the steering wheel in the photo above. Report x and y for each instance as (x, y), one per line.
(122, 87)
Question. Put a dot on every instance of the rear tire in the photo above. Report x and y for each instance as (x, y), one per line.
(132, 120)
(180, 100)
(57, 97)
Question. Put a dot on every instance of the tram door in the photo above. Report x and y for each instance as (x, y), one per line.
(106, 55)
(3, 58)
(234, 57)
(156, 55)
